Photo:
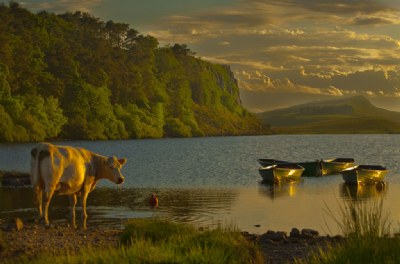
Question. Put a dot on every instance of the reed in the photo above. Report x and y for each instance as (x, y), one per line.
(361, 219)
(159, 241)
(366, 228)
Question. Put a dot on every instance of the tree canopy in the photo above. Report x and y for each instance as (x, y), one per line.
(73, 76)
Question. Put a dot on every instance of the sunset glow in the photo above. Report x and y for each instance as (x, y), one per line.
(283, 52)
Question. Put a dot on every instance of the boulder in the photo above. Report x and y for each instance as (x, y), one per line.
(309, 233)
(15, 179)
(274, 236)
(295, 233)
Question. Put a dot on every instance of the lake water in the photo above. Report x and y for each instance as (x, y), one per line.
(215, 181)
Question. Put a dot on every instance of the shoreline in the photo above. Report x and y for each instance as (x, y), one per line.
(34, 239)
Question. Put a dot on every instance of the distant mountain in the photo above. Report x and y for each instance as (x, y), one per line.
(346, 115)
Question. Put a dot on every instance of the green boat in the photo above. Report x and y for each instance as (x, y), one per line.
(287, 172)
(335, 166)
(364, 174)
(311, 168)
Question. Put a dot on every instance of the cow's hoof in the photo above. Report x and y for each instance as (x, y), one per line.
(39, 220)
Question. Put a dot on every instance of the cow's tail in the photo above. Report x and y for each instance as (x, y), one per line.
(35, 163)
(37, 154)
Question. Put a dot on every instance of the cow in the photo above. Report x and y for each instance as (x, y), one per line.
(66, 170)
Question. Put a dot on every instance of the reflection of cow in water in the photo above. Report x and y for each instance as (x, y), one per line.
(69, 171)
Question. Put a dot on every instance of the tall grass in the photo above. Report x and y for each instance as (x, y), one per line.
(361, 219)
(367, 236)
(158, 241)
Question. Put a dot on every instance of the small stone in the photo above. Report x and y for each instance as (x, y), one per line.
(295, 232)
(257, 225)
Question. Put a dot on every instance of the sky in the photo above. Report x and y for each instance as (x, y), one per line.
(282, 52)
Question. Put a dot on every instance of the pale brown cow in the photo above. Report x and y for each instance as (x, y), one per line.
(69, 171)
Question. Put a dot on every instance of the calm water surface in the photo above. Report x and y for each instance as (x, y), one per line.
(214, 181)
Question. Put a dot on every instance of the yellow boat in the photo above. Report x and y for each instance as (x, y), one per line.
(287, 172)
(364, 174)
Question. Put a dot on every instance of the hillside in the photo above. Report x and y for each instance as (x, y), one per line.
(73, 76)
(345, 115)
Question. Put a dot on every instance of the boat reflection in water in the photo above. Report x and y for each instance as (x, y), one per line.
(358, 192)
(287, 189)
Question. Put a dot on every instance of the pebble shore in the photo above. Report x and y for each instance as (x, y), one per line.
(31, 239)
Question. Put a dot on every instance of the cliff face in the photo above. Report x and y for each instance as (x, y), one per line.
(74, 76)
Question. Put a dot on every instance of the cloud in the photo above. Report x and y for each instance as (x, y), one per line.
(308, 48)
(335, 7)
(62, 6)
(368, 21)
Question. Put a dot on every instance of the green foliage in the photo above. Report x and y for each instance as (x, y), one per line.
(6, 126)
(77, 77)
(374, 251)
(155, 231)
(176, 128)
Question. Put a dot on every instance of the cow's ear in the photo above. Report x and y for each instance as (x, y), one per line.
(122, 161)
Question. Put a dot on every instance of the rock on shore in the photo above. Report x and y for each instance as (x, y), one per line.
(279, 247)
(15, 179)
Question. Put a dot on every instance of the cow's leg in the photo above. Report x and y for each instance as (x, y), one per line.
(48, 196)
(38, 199)
(85, 194)
(72, 202)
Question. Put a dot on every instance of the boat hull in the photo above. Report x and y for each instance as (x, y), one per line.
(270, 162)
(335, 166)
(311, 168)
(281, 173)
(364, 174)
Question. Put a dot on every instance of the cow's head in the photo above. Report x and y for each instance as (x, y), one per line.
(113, 169)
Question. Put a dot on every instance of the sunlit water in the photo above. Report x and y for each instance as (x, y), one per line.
(215, 181)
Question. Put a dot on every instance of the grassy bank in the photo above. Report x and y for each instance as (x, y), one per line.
(158, 241)
(368, 239)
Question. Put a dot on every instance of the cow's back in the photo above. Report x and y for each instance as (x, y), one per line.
(62, 164)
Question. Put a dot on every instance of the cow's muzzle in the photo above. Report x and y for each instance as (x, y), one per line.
(120, 180)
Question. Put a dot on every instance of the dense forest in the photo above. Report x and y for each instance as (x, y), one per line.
(73, 76)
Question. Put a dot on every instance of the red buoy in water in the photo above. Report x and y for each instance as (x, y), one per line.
(153, 200)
